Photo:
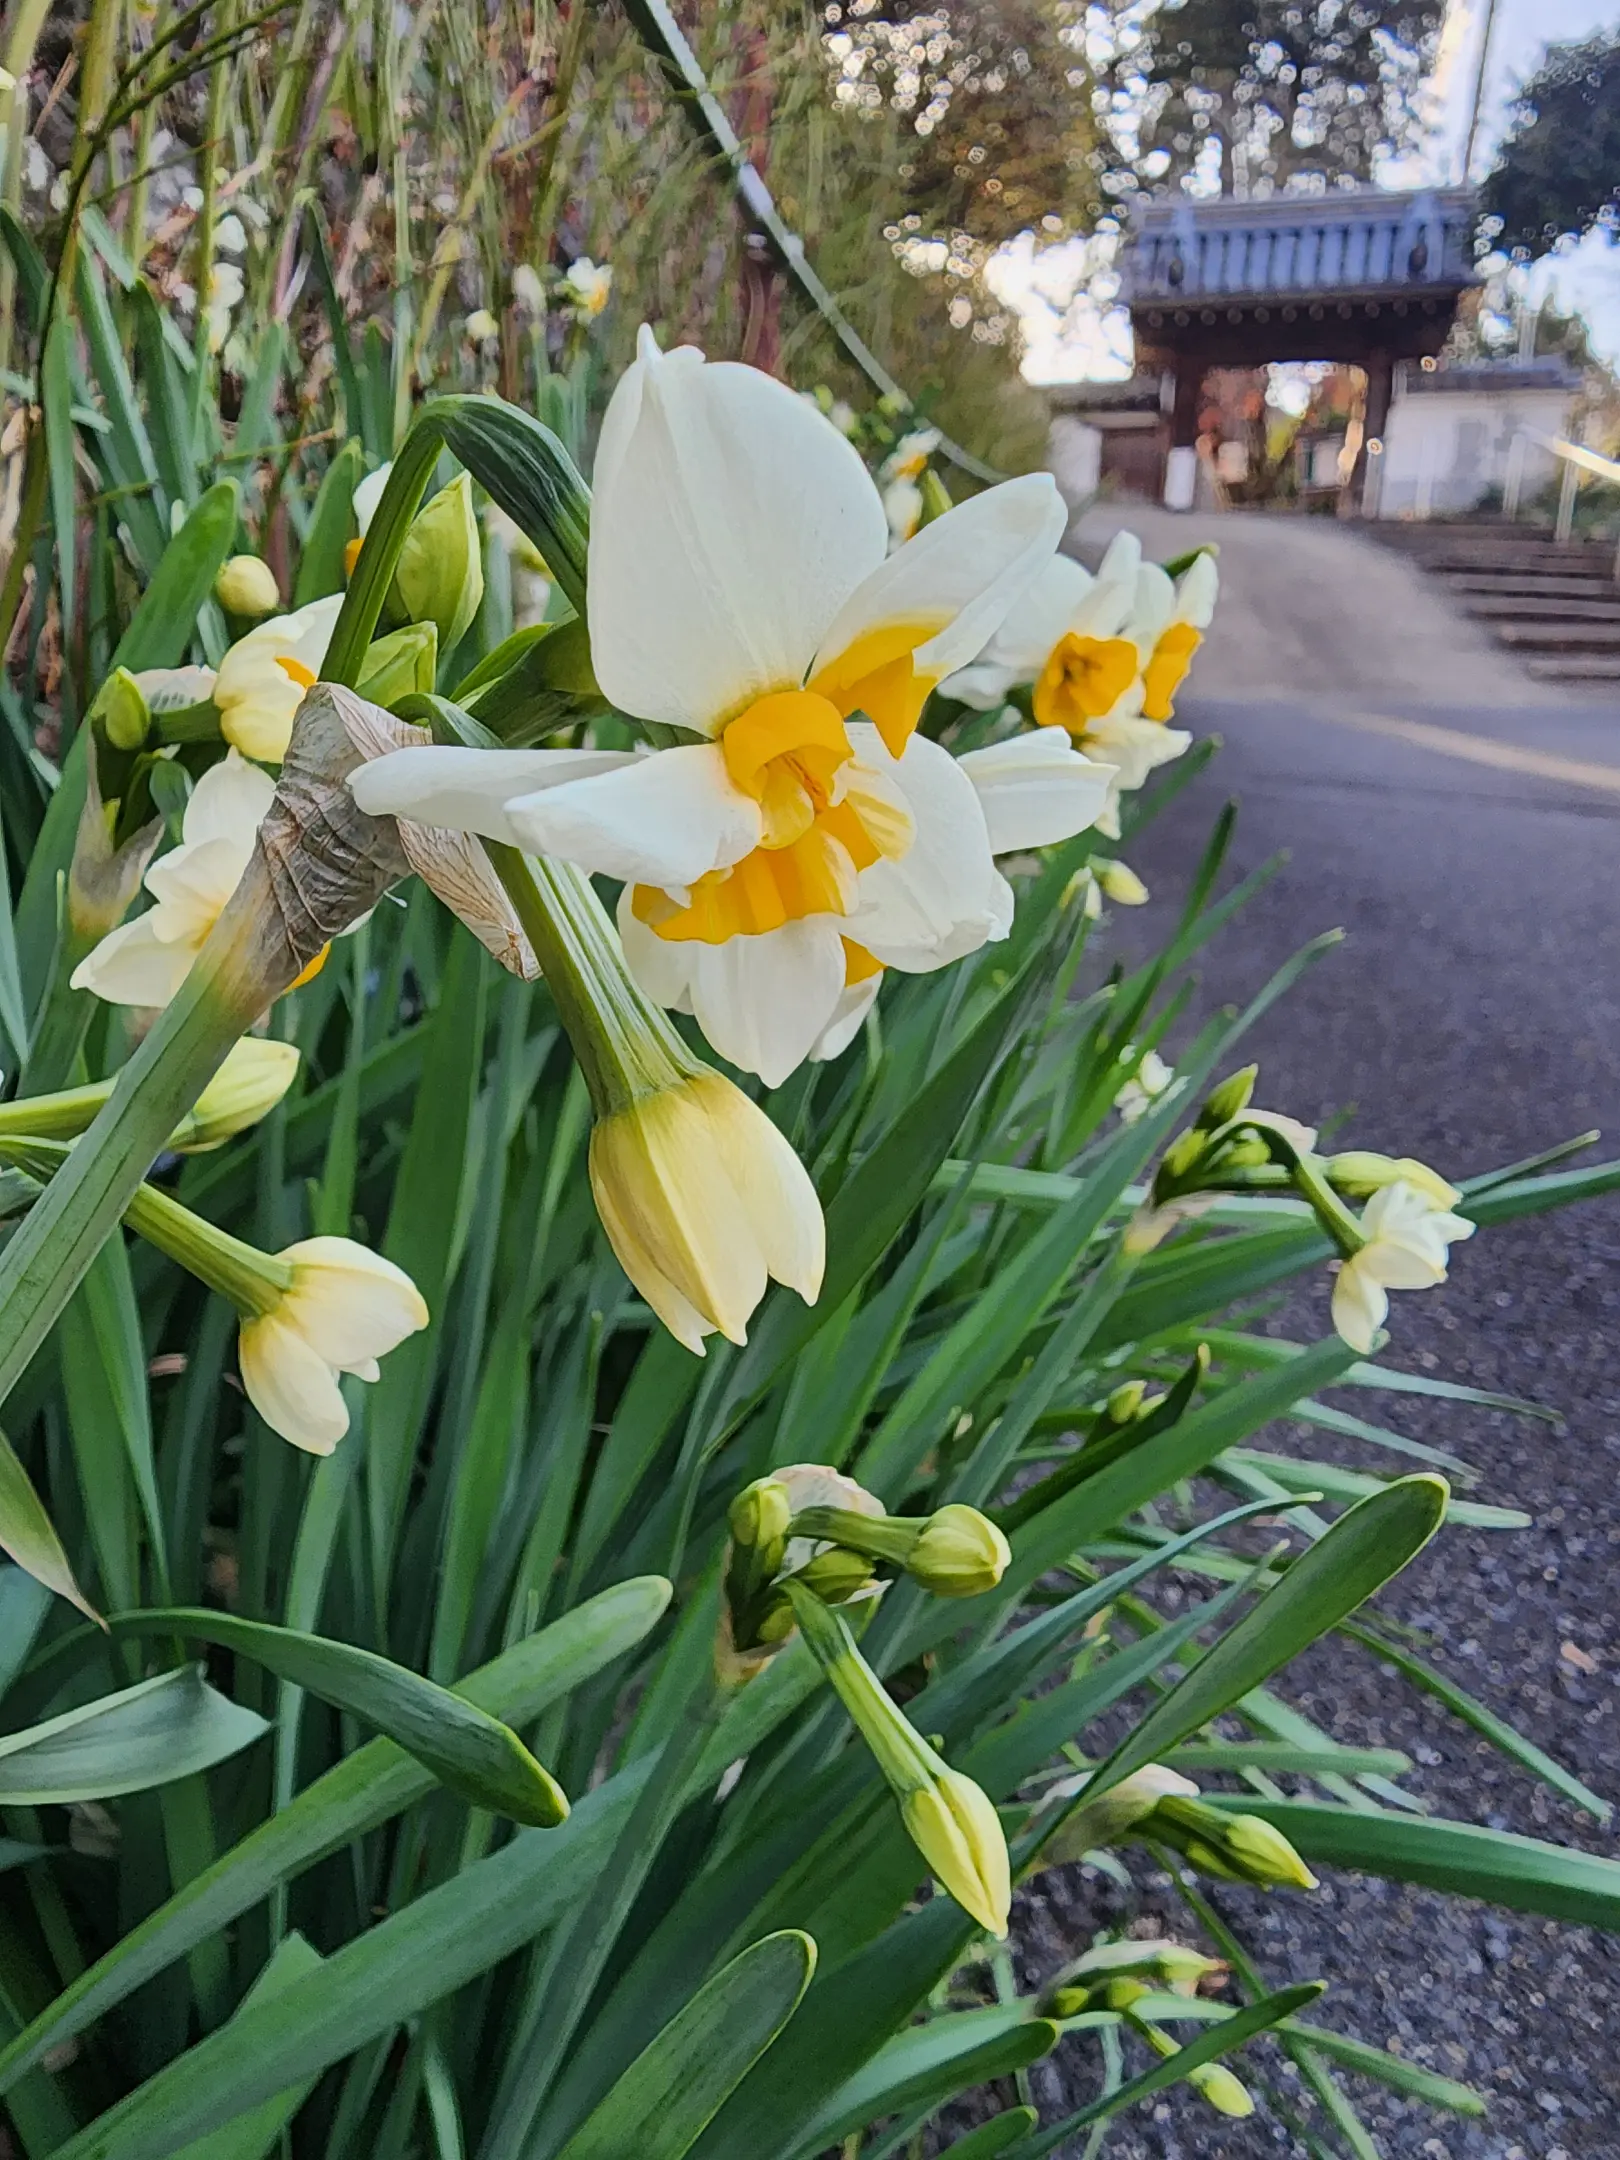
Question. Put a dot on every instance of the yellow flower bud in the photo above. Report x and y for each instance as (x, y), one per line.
(704, 1201)
(1126, 1401)
(761, 1512)
(440, 578)
(247, 1087)
(1069, 2001)
(247, 586)
(1121, 883)
(1226, 2094)
(1264, 1854)
(960, 1553)
(959, 1834)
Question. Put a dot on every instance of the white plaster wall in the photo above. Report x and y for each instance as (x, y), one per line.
(1444, 449)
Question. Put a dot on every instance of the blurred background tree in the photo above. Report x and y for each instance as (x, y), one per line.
(1252, 95)
(1558, 172)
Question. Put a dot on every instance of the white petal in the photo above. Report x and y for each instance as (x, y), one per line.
(1359, 1306)
(229, 802)
(1036, 788)
(1040, 616)
(779, 1201)
(294, 1391)
(1402, 1266)
(960, 575)
(1135, 747)
(729, 524)
(192, 884)
(368, 494)
(1196, 593)
(853, 1006)
(349, 1303)
(944, 897)
(1155, 606)
(763, 1001)
(667, 819)
(984, 685)
(662, 966)
(133, 966)
(468, 790)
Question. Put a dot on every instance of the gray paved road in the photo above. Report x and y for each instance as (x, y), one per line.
(1472, 1016)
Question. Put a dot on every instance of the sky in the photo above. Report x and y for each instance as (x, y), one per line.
(1065, 341)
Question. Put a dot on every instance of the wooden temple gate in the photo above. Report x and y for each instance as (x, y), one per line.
(1364, 277)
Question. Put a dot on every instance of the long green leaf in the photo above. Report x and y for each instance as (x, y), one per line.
(147, 1735)
(376, 1782)
(1365, 1547)
(929, 2064)
(160, 629)
(465, 1748)
(665, 2100)
(28, 1534)
(257, 2134)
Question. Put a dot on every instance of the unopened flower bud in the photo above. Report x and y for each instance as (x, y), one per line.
(1360, 1173)
(960, 1553)
(1231, 1097)
(1226, 2093)
(836, 1575)
(246, 586)
(1184, 1153)
(760, 1514)
(247, 1087)
(1264, 1854)
(404, 662)
(1068, 2001)
(1126, 1401)
(1120, 1994)
(121, 711)
(1121, 883)
(953, 1825)
(440, 578)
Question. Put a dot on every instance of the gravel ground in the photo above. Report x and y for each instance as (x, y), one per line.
(1470, 1018)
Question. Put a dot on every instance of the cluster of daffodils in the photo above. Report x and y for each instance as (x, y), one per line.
(1101, 657)
(773, 620)
(1401, 1240)
(794, 835)
(808, 1544)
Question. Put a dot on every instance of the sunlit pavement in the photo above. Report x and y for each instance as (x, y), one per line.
(1471, 1017)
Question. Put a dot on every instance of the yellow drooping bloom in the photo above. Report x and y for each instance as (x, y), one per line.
(703, 1200)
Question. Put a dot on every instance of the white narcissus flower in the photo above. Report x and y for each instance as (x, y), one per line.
(1408, 1245)
(343, 1309)
(481, 328)
(586, 285)
(263, 677)
(740, 590)
(144, 962)
(1104, 655)
(368, 494)
(1143, 1089)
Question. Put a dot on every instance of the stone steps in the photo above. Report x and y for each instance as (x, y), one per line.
(1554, 604)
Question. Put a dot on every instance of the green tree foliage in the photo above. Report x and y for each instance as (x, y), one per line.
(1261, 94)
(1559, 169)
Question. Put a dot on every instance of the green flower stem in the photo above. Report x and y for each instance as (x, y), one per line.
(61, 1115)
(879, 1537)
(906, 1760)
(47, 1259)
(253, 1281)
(625, 1044)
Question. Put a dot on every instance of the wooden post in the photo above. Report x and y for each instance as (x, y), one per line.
(1364, 480)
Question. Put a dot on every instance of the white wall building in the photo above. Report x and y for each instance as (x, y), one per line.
(1449, 443)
